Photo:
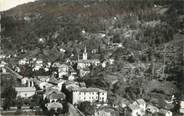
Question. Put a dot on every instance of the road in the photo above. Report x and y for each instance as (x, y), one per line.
(73, 111)
(13, 72)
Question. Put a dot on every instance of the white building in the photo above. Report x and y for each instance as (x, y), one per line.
(23, 61)
(135, 110)
(27, 81)
(182, 107)
(138, 107)
(63, 70)
(88, 94)
(2, 68)
(25, 92)
(142, 104)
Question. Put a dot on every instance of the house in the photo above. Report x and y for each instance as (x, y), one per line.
(106, 111)
(43, 78)
(58, 83)
(2, 67)
(54, 105)
(23, 61)
(165, 112)
(152, 109)
(44, 85)
(181, 107)
(71, 77)
(70, 85)
(27, 81)
(25, 92)
(84, 72)
(53, 95)
(142, 104)
(81, 94)
(124, 102)
(135, 109)
(62, 69)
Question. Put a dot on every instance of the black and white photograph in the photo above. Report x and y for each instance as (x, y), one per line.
(91, 57)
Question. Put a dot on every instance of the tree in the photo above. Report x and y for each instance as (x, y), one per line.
(19, 102)
(9, 94)
(86, 108)
(51, 112)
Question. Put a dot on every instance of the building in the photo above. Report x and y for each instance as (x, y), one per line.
(142, 104)
(165, 112)
(2, 67)
(182, 107)
(63, 70)
(43, 78)
(44, 85)
(54, 105)
(152, 109)
(27, 82)
(84, 72)
(85, 62)
(135, 110)
(25, 92)
(53, 95)
(82, 94)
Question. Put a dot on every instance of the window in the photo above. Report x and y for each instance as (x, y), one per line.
(79, 93)
(102, 93)
(84, 98)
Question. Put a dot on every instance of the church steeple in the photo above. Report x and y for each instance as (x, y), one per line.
(85, 54)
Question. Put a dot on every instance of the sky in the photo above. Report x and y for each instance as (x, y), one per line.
(8, 4)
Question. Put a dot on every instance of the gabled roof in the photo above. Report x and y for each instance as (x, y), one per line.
(25, 89)
(54, 105)
(43, 78)
(90, 89)
(133, 106)
(141, 101)
(54, 94)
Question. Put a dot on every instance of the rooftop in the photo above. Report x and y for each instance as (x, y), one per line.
(133, 106)
(84, 89)
(54, 105)
(25, 89)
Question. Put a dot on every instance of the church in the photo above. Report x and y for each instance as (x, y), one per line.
(85, 62)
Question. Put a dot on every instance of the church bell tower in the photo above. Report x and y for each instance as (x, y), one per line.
(85, 54)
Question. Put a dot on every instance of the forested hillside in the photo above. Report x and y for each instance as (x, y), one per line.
(151, 32)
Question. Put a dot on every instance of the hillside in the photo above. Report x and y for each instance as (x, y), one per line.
(150, 33)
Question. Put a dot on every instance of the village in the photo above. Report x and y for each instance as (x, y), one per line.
(92, 58)
(61, 92)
